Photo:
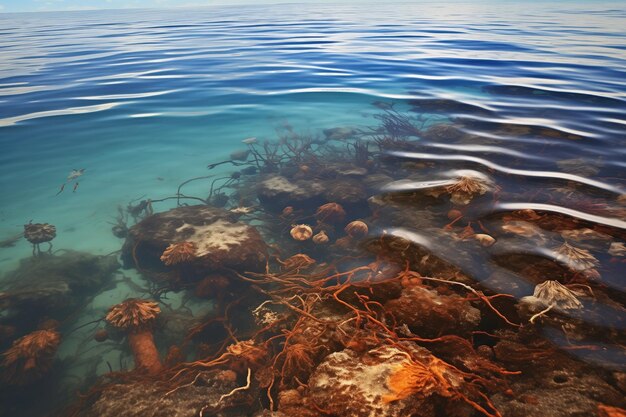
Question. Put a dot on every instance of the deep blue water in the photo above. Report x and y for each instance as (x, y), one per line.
(133, 96)
(144, 99)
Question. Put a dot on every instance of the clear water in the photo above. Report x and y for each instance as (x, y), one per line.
(145, 99)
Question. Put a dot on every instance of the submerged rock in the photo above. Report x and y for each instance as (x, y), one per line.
(276, 192)
(218, 241)
(552, 385)
(346, 191)
(145, 398)
(54, 285)
(430, 314)
(339, 133)
(349, 384)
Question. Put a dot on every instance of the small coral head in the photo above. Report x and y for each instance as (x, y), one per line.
(177, 253)
(30, 356)
(330, 213)
(357, 229)
(466, 187)
(301, 232)
(37, 233)
(554, 293)
(133, 314)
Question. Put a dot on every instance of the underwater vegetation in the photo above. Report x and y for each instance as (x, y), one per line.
(348, 276)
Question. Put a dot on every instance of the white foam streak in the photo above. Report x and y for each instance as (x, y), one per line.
(512, 171)
(10, 121)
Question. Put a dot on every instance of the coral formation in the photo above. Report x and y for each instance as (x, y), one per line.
(137, 317)
(30, 357)
(37, 233)
(177, 253)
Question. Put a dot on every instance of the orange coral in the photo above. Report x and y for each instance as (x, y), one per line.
(30, 356)
(411, 378)
(434, 376)
(137, 316)
(608, 411)
(177, 253)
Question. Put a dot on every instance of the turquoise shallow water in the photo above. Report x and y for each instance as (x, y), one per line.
(145, 99)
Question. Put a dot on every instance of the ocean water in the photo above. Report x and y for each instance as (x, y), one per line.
(143, 100)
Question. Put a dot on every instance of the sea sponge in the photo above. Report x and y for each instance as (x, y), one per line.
(137, 317)
(30, 357)
(301, 232)
(357, 229)
(330, 213)
(177, 253)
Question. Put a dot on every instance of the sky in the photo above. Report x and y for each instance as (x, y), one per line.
(7, 6)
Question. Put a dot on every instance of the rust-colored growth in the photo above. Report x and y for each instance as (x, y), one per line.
(299, 360)
(177, 253)
(408, 379)
(608, 411)
(301, 232)
(321, 238)
(174, 356)
(101, 335)
(434, 376)
(357, 229)
(37, 233)
(330, 213)
(465, 188)
(247, 355)
(287, 211)
(136, 317)
(454, 214)
(30, 357)
(298, 261)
